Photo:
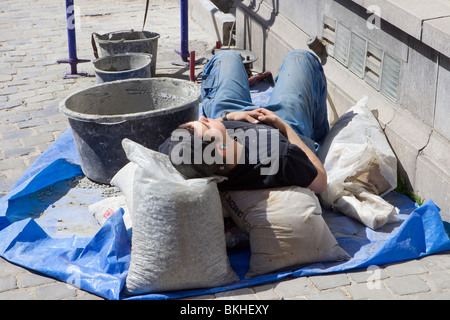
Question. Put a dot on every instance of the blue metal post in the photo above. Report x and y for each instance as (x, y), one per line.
(71, 36)
(184, 53)
(184, 30)
(73, 59)
(187, 58)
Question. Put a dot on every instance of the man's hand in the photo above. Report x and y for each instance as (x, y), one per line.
(247, 116)
(271, 119)
(260, 115)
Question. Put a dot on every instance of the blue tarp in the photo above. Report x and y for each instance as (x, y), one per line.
(98, 262)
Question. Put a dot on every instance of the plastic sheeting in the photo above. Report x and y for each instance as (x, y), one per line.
(45, 226)
(99, 263)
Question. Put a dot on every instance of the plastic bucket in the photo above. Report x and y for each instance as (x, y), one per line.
(143, 110)
(121, 42)
(122, 66)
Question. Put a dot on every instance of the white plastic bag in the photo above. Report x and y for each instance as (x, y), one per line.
(361, 167)
(105, 208)
(178, 229)
(285, 228)
(124, 181)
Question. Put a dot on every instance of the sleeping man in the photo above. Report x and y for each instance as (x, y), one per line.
(256, 147)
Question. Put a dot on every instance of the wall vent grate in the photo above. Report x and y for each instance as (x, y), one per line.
(357, 57)
(342, 45)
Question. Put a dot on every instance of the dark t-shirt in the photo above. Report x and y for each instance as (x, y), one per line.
(259, 169)
(268, 160)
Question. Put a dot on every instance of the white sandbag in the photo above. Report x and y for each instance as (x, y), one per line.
(285, 228)
(178, 229)
(361, 167)
(124, 181)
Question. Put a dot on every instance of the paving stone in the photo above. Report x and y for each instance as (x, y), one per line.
(17, 134)
(83, 295)
(5, 77)
(32, 86)
(53, 127)
(266, 292)
(293, 288)
(438, 280)
(20, 294)
(437, 262)
(32, 280)
(7, 283)
(334, 294)
(368, 274)
(330, 281)
(55, 291)
(38, 139)
(407, 285)
(23, 95)
(32, 123)
(7, 91)
(405, 268)
(14, 118)
(5, 186)
(50, 89)
(238, 294)
(434, 296)
(8, 164)
(10, 144)
(15, 153)
(368, 291)
(41, 97)
(11, 104)
(11, 59)
(7, 268)
(27, 75)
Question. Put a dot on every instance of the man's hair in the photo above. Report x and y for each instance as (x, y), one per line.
(191, 152)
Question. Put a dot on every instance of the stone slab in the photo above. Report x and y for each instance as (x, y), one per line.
(217, 23)
(407, 136)
(409, 15)
(407, 285)
(436, 34)
(442, 113)
(432, 179)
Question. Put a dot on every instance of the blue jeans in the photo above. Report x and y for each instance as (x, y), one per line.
(299, 96)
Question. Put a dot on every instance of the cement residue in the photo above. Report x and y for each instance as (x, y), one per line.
(61, 209)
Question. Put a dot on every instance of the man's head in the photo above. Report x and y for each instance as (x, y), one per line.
(196, 148)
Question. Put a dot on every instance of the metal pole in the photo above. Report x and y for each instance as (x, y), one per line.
(184, 30)
(71, 36)
(184, 53)
(192, 66)
(186, 56)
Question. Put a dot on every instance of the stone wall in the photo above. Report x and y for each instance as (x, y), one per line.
(394, 52)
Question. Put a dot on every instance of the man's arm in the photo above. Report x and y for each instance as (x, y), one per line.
(319, 184)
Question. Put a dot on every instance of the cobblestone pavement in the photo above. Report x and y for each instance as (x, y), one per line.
(33, 38)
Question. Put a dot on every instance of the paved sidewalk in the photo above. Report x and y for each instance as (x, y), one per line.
(33, 38)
